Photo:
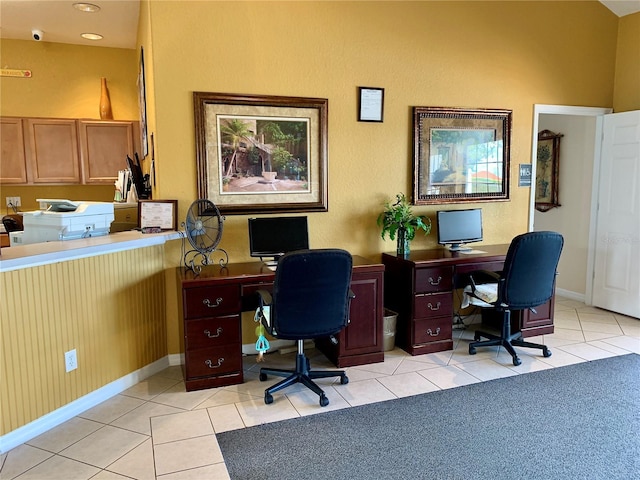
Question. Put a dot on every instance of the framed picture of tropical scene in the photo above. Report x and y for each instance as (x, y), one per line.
(261, 154)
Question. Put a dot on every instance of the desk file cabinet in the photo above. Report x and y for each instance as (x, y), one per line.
(212, 302)
(421, 286)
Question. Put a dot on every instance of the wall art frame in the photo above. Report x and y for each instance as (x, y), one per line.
(261, 153)
(142, 105)
(370, 104)
(547, 170)
(460, 155)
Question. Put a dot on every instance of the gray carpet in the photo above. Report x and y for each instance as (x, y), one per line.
(575, 422)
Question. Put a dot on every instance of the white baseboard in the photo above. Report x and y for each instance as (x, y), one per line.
(90, 400)
(571, 295)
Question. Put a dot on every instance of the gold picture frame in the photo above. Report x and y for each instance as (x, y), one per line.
(460, 155)
(547, 170)
(260, 153)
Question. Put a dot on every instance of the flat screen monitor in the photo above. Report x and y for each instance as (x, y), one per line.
(458, 227)
(272, 237)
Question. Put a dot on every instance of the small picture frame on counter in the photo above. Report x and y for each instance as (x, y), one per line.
(157, 214)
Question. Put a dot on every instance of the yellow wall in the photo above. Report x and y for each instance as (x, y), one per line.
(468, 54)
(627, 80)
(65, 83)
(460, 54)
(109, 308)
(475, 54)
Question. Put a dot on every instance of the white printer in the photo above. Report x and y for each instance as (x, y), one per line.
(66, 220)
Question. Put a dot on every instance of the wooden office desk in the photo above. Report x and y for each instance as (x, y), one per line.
(421, 287)
(212, 302)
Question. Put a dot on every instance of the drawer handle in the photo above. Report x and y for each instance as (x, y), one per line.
(208, 303)
(218, 332)
(431, 334)
(432, 308)
(435, 282)
(210, 364)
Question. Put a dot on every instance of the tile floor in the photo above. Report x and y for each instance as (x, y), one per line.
(156, 430)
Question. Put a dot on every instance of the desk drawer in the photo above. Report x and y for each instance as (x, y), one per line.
(210, 332)
(211, 301)
(433, 305)
(433, 279)
(432, 329)
(205, 362)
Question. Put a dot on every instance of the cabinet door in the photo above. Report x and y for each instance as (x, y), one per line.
(104, 147)
(364, 332)
(14, 166)
(52, 150)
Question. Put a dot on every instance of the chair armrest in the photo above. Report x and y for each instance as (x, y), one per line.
(265, 297)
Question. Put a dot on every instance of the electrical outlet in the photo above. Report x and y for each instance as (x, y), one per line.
(13, 201)
(70, 360)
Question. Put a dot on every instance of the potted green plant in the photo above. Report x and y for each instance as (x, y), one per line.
(398, 219)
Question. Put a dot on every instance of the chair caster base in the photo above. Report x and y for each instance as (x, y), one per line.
(517, 361)
(324, 401)
(344, 380)
(268, 398)
(263, 377)
(472, 350)
(546, 353)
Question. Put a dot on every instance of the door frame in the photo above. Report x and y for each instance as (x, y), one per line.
(598, 112)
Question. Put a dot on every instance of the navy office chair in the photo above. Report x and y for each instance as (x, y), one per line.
(527, 281)
(311, 299)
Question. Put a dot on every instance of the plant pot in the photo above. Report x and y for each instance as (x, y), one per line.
(403, 243)
(269, 177)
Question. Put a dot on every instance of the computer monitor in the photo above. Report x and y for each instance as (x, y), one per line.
(272, 237)
(457, 227)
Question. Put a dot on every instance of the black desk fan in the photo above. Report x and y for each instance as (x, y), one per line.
(203, 228)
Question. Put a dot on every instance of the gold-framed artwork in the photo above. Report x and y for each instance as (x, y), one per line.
(261, 153)
(460, 155)
(547, 170)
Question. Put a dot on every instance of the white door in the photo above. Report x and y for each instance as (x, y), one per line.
(616, 280)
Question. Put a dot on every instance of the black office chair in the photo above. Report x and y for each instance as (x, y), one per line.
(12, 223)
(527, 281)
(311, 299)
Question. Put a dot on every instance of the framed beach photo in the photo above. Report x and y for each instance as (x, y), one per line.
(261, 154)
(460, 155)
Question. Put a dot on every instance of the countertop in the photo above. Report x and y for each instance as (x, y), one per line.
(36, 254)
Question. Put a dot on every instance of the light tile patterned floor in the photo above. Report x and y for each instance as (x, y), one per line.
(156, 430)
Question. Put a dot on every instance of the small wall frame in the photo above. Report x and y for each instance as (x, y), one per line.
(547, 170)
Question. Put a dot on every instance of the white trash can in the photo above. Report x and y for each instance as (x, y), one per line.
(389, 329)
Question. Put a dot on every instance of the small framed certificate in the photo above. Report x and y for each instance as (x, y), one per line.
(370, 104)
(158, 213)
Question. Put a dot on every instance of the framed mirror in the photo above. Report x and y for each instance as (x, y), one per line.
(460, 155)
(547, 170)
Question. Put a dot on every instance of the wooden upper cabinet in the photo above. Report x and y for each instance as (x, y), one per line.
(13, 165)
(104, 146)
(52, 150)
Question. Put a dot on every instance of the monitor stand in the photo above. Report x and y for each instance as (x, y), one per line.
(459, 247)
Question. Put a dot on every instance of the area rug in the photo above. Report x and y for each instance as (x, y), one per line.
(575, 422)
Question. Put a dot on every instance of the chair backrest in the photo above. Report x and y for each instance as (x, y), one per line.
(311, 293)
(530, 269)
(12, 223)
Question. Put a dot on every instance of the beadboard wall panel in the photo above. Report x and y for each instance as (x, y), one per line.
(110, 308)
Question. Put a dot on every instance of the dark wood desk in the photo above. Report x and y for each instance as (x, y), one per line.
(212, 302)
(421, 286)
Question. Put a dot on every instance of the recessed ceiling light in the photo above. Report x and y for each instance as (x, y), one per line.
(86, 7)
(91, 36)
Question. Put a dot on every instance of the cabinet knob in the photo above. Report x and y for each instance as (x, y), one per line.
(431, 334)
(217, 334)
(210, 364)
(434, 308)
(435, 282)
(208, 303)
